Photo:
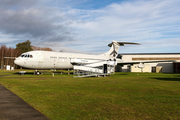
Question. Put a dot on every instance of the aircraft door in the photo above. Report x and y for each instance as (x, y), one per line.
(40, 59)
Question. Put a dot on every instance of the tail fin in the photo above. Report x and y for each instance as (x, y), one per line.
(112, 53)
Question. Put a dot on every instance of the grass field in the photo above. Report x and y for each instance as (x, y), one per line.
(122, 96)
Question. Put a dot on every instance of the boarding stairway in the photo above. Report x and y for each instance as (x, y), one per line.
(94, 69)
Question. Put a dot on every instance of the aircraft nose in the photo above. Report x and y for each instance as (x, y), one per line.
(17, 62)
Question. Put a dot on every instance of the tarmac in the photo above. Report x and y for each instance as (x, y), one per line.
(14, 108)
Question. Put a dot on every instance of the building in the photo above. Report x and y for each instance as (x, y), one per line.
(165, 67)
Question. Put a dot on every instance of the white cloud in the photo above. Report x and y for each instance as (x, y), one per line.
(154, 23)
(136, 21)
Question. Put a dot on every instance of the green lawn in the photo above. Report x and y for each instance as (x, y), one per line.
(121, 96)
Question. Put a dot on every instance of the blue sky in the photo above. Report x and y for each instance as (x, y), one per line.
(90, 25)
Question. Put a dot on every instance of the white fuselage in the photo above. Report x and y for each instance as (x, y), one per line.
(56, 60)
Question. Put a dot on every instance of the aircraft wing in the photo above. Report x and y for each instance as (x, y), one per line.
(138, 62)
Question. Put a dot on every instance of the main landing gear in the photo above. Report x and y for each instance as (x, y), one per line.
(36, 72)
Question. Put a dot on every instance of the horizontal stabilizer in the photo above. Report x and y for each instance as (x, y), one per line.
(122, 43)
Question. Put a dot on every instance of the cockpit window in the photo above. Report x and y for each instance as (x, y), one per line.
(26, 56)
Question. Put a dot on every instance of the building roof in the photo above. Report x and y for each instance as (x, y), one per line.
(149, 54)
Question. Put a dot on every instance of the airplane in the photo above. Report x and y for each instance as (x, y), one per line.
(61, 60)
(39, 60)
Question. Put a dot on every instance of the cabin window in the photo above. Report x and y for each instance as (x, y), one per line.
(22, 55)
(27, 56)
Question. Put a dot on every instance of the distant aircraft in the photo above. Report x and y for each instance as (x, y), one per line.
(39, 60)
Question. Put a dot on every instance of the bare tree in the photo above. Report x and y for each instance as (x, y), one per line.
(3, 48)
(8, 52)
(41, 48)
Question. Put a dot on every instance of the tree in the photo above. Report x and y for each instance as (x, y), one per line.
(24, 46)
(3, 48)
(8, 52)
(41, 48)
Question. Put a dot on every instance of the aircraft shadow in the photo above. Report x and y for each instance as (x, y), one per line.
(121, 73)
(32, 73)
(27, 73)
(166, 79)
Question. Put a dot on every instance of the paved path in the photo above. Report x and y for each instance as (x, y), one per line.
(14, 108)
